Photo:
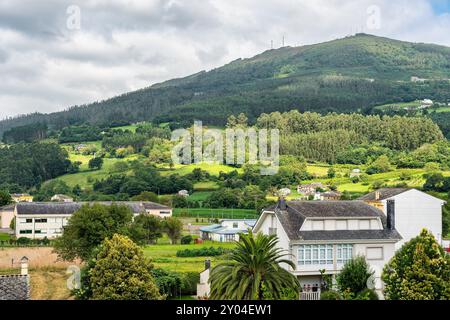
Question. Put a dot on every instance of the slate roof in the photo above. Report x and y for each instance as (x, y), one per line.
(154, 206)
(297, 212)
(68, 208)
(14, 287)
(385, 193)
(9, 207)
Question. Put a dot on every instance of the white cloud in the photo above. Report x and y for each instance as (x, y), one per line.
(124, 45)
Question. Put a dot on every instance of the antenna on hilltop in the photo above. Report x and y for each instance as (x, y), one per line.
(283, 41)
(271, 44)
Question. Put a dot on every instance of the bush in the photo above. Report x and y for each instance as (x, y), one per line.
(203, 252)
(330, 295)
(189, 281)
(367, 294)
(186, 239)
(24, 241)
(354, 275)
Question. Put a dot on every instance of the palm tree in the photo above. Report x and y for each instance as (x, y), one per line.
(252, 269)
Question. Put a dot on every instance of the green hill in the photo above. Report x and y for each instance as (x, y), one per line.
(353, 74)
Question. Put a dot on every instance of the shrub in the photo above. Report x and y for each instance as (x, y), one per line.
(330, 295)
(186, 239)
(189, 281)
(354, 275)
(203, 252)
(367, 294)
(24, 241)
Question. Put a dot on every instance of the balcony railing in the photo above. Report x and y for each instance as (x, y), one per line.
(310, 293)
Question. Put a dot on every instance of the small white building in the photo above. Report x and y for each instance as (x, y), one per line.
(227, 231)
(414, 211)
(324, 235)
(61, 198)
(39, 220)
(183, 193)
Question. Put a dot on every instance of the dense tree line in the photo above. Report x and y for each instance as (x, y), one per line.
(28, 165)
(340, 137)
(27, 133)
(80, 134)
(143, 178)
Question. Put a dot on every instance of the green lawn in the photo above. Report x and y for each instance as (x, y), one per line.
(199, 196)
(164, 256)
(443, 109)
(4, 236)
(206, 186)
(86, 177)
(216, 213)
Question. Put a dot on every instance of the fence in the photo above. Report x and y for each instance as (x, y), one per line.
(310, 295)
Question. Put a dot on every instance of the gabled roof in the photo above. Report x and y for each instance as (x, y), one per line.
(68, 208)
(297, 212)
(384, 193)
(154, 206)
(14, 287)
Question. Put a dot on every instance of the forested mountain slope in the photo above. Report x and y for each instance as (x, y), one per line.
(345, 75)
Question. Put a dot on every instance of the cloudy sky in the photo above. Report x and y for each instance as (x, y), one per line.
(56, 53)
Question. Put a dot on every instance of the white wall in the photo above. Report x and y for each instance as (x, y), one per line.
(341, 224)
(160, 213)
(51, 229)
(6, 218)
(415, 210)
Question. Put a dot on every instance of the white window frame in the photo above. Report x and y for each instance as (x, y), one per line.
(315, 254)
(344, 253)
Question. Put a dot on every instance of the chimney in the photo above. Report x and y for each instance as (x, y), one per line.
(207, 264)
(282, 204)
(24, 266)
(391, 214)
(377, 195)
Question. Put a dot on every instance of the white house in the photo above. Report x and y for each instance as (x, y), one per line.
(414, 210)
(61, 198)
(227, 231)
(324, 235)
(38, 220)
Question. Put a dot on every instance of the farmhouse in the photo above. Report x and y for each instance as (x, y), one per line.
(330, 196)
(227, 231)
(324, 235)
(414, 211)
(310, 189)
(38, 220)
(61, 198)
(22, 197)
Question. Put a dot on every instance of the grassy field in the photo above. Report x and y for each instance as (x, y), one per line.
(4, 236)
(164, 256)
(216, 213)
(199, 196)
(206, 186)
(87, 177)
